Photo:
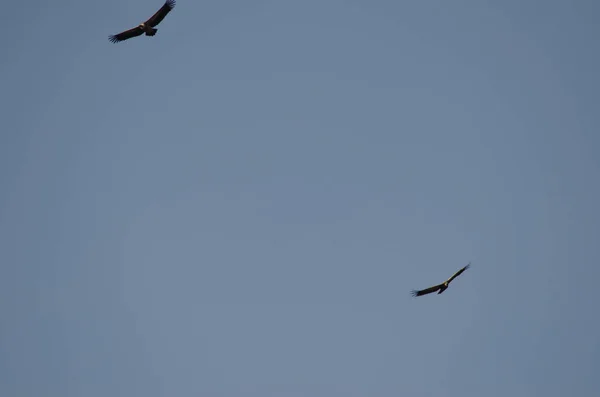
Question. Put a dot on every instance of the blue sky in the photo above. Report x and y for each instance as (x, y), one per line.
(240, 205)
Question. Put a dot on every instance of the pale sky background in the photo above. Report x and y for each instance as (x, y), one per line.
(240, 205)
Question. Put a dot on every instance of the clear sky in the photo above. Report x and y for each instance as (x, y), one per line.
(240, 205)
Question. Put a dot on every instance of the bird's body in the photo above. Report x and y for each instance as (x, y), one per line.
(147, 27)
(149, 30)
(440, 288)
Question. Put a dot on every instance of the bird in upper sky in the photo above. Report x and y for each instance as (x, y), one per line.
(440, 287)
(146, 27)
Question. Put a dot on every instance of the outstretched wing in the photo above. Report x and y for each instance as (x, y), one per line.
(126, 34)
(161, 14)
(426, 290)
(458, 273)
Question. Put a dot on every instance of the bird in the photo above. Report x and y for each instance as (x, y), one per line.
(440, 287)
(146, 27)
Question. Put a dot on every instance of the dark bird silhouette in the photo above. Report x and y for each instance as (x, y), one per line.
(440, 287)
(146, 27)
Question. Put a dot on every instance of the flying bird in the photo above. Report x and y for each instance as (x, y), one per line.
(440, 287)
(146, 27)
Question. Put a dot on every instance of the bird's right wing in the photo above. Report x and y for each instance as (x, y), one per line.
(126, 34)
(161, 13)
(458, 273)
(426, 290)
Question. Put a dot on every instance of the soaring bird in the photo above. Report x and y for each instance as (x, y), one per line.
(146, 27)
(440, 287)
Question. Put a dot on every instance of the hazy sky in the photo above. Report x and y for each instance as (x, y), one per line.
(240, 205)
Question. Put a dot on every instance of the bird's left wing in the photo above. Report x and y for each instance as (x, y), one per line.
(126, 34)
(426, 290)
